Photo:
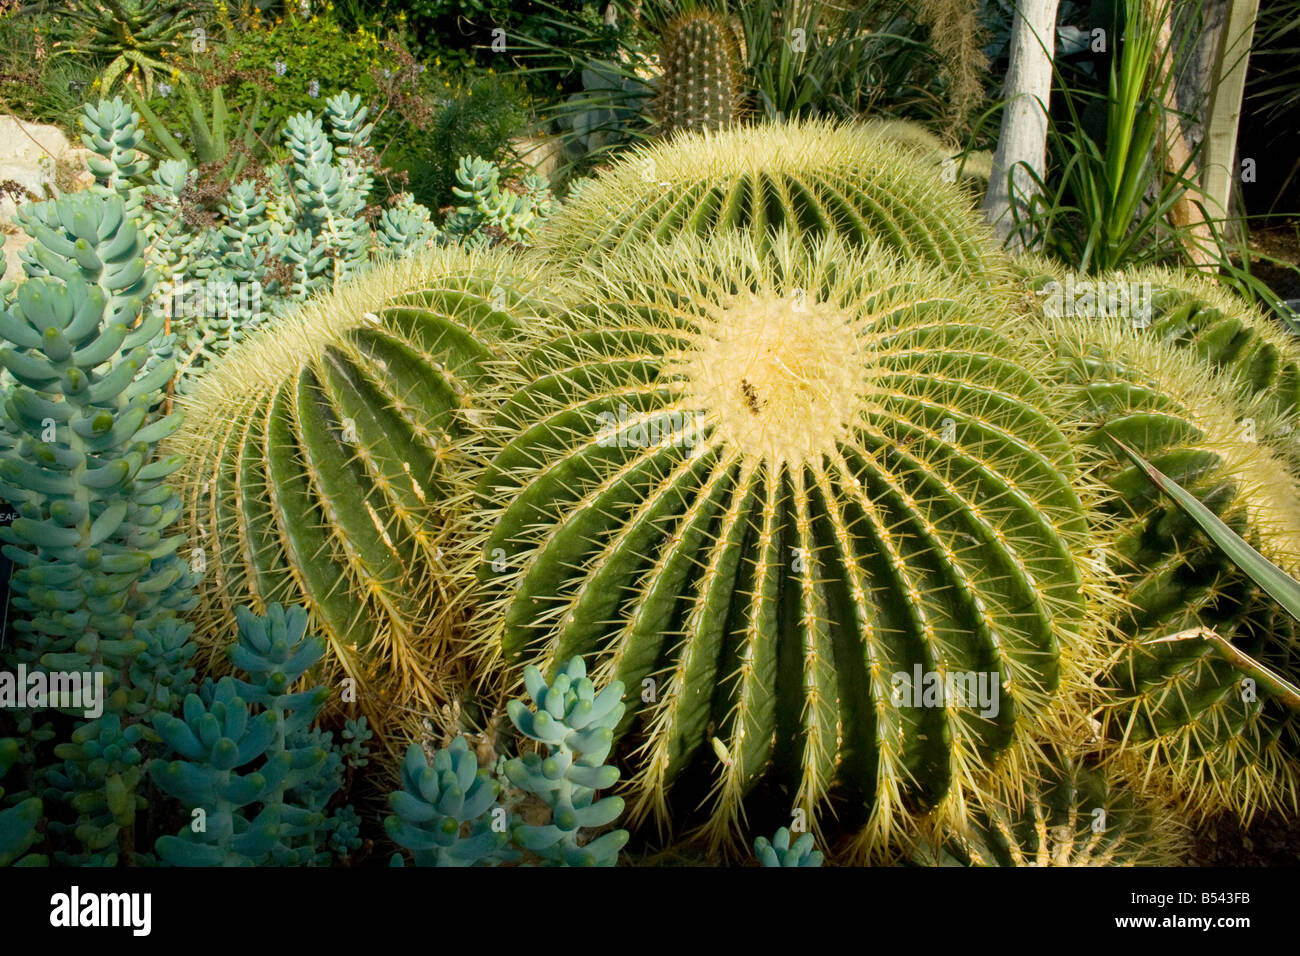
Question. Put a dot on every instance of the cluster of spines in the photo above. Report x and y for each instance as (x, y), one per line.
(1219, 743)
(1071, 814)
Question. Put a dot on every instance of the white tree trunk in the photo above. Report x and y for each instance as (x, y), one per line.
(1024, 119)
(1220, 160)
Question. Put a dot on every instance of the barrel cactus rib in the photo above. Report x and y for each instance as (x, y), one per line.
(810, 178)
(326, 458)
(726, 475)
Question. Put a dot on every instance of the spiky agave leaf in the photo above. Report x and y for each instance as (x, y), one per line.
(323, 458)
(811, 177)
(768, 482)
(1178, 706)
(1075, 814)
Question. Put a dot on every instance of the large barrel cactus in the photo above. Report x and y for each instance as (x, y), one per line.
(808, 506)
(322, 463)
(1219, 743)
(1074, 814)
(861, 182)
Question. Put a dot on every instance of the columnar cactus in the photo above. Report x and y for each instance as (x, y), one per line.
(323, 458)
(1073, 815)
(702, 83)
(1221, 743)
(810, 177)
(792, 496)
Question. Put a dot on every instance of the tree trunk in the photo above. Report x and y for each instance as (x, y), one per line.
(1220, 160)
(1023, 140)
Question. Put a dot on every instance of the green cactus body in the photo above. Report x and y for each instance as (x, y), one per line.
(702, 83)
(810, 177)
(1074, 814)
(322, 459)
(1205, 735)
(758, 486)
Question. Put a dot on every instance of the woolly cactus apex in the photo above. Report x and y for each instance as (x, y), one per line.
(442, 814)
(702, 84)
(779, 851)
(576, 726)
(91, 549)
(803, 501)
(324, 455)
(811, 177)
(1073, 815)
(1200, 731)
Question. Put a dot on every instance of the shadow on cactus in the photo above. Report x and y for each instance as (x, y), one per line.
(325, 455)
(767, 490)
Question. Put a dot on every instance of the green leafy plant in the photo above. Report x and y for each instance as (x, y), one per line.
(134, 36)
(20, 820)
(98, 581)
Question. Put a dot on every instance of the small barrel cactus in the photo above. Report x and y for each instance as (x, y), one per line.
(792, 497)
(322, 457)
(1074, 814)
(811, 178)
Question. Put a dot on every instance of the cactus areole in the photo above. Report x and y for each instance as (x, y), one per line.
(806, 505)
